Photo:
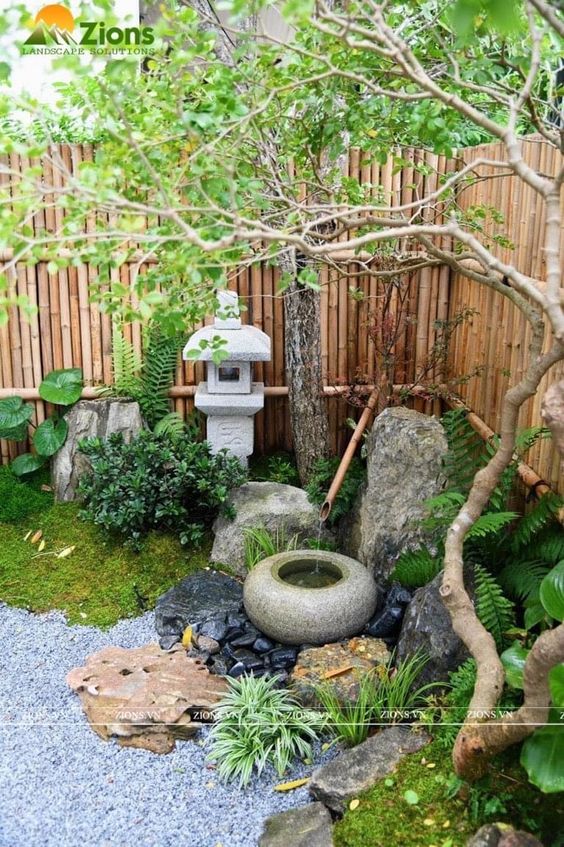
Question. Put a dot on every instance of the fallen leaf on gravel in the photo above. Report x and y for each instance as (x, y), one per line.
(187, 637)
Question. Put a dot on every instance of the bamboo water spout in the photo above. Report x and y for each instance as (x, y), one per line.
(348, 454)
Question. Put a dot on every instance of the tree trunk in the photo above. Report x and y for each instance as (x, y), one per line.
(553, 416)
(302, 349)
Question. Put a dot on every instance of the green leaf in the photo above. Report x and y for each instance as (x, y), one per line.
(50, 436)
(542, 756)
(552, 592)
(27, 463)
(62, 387)
(534, 614)
(513, 661)
(556, 682)
(14, 418)
(411, 797)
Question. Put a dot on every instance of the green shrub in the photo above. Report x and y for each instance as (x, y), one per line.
(18, 499)
(282, 470)
(322, 477)
(258, 723)
(156, 482)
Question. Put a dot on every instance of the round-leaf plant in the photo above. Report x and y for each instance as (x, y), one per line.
(62, 388)
(15, 416)
(542, 754)
(50, 436)
(552, 592)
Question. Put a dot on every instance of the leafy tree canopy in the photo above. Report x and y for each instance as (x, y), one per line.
(202, 162)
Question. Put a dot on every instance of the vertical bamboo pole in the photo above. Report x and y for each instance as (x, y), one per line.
(268, 370)
(259, 369)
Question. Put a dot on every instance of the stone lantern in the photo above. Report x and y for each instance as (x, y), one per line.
(229, 397)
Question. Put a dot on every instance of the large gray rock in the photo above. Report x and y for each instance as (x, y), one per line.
(90, 419)
(427, 628)
(357, 770)
(502, 835)
(306, 826)
(197, 598)
(405, 450)
(271, 505)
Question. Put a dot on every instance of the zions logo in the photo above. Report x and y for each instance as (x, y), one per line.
(57, 31)
(53, 25)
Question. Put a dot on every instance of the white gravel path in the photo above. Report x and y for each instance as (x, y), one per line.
(62, 786)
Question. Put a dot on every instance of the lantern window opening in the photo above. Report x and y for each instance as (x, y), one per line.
(228, 374)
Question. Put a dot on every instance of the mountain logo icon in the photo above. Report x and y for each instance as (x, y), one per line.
(53, 25)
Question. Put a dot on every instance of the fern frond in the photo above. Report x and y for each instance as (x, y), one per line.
(522, 579)
(499, 497)
(157, 375)
(490, 523)
(172, 424)
(461, 682)
(126, 365)
(442, 510)
(549, 544)
(415, 568)
(493, 608)
(527, 438)
(542, 515)
(467, 451)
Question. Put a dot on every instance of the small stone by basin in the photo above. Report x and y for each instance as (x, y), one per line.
(309, 596)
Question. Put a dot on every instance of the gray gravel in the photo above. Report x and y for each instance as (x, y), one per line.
(62, 785)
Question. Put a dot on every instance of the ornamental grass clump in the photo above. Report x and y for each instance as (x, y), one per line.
(388, 697)
(260, 544)
(259, 724)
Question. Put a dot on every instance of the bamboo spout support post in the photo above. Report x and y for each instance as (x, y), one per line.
(348, 454)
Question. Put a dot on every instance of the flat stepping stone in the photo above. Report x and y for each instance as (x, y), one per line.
(357, 770)
(146, 697)
(306, 826)
(196, 598)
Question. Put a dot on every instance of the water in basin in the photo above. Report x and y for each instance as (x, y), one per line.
(310, 574)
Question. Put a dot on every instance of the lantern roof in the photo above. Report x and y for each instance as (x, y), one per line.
(243, 343)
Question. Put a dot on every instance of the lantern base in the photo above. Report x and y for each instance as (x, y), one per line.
(231, 432)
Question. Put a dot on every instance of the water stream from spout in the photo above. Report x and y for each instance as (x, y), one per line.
(319, 531)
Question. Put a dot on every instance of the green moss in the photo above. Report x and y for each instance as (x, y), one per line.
(101, 581)
(447, 812)
(19, 500)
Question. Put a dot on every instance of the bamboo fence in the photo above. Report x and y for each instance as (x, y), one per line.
(497, 336)
(70, 331)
